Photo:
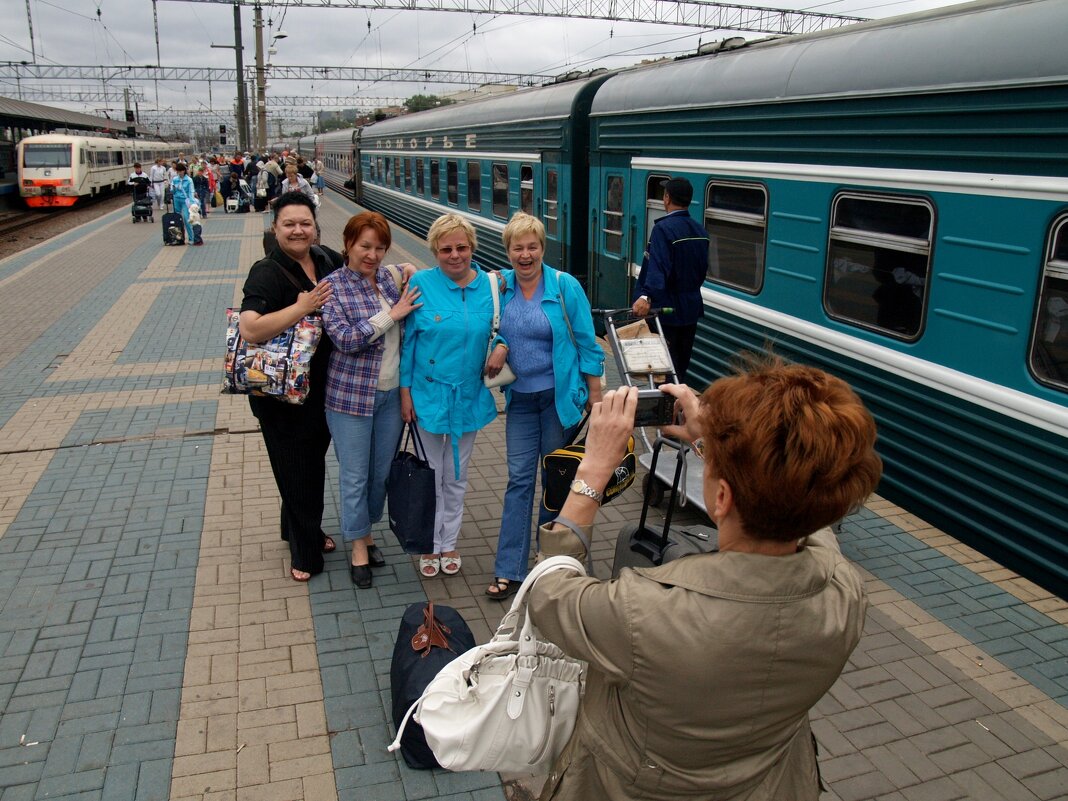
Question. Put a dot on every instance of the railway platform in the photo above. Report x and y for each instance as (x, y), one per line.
(153, 646)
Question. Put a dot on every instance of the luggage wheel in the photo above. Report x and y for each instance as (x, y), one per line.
(655, 493)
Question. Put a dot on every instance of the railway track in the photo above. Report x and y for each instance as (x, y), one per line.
(18, 220)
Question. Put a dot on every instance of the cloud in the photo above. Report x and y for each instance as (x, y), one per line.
(69, 32)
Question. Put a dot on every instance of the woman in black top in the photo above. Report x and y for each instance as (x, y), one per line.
(296, 436)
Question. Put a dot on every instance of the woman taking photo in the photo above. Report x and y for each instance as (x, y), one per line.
(441, 375)
(547, 338)
(702, 671)
(362, 387)
(296, 437)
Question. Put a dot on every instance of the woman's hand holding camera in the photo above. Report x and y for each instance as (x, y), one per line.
(611, 426)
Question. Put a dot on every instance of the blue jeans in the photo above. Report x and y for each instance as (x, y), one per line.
(365, 446)
(532, 430)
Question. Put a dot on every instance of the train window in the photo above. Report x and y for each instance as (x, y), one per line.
(474, 185)
(388, 174)
(382, 179)
(613, 215)
(736, 221)
(878, 262)
(1049, 341)
(500, 190)
(407, 175)
(526, 188)
(45, 155)
(452, 180)
(119, 156)
(397, 162)
(550, 203)
(420, 181)
(435, 179)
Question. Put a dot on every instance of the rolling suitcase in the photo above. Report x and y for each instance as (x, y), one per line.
(642, 545)
(173, 229)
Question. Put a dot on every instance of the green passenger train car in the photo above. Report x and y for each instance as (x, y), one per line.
(888, 201)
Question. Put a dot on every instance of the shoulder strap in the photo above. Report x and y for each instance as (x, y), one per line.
(563, 306)
(495, 294)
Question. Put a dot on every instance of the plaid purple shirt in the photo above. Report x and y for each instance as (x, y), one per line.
(355, 362)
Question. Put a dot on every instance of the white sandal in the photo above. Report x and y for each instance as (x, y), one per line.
(450, 565)
(428, 568)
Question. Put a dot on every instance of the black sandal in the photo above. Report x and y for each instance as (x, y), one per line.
(329, 546)
(504, 588)
(361, 576)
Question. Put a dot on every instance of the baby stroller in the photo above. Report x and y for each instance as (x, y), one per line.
(240, 200)
(142, 208)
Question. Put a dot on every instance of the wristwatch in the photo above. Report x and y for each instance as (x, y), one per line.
(580, 487)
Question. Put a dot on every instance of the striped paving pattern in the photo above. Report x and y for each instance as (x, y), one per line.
(152, 645)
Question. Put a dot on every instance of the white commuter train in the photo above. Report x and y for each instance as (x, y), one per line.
(58, 169)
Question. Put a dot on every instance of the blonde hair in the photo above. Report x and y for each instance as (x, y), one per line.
(449, 224)
(522, 224)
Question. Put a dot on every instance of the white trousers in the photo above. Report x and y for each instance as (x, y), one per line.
(449, 488)
(158, 191)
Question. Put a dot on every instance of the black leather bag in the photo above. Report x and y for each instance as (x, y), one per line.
(411, 496)
(428, 639)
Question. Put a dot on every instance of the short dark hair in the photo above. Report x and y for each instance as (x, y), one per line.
(679, 190)
(293, 199)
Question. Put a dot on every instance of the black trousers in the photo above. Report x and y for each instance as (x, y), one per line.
(297, 439)
(680, 345)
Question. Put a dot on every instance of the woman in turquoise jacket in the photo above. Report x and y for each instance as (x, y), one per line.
(183, 195)
(441, 386)
(547, 337)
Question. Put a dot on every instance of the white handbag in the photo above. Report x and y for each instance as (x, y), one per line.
(509, 705)
(505, 376)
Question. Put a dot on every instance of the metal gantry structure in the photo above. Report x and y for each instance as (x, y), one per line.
(89, 72)
(692, 13)
(77, 95)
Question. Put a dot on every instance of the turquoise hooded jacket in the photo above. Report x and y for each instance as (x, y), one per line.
(573, 359)
(443, 354)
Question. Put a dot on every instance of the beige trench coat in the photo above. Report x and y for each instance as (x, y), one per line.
(702, 673)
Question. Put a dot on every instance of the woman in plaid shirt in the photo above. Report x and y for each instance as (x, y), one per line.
(362, 386)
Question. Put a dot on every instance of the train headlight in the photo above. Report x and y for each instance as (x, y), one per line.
(27, 182)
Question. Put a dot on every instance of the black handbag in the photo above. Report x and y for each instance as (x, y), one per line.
(562, 464)
(411, 496)
(428, 639)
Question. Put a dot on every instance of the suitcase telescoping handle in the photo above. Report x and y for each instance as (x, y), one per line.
(656, 553)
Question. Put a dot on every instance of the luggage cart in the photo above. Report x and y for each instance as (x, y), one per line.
(644, 361)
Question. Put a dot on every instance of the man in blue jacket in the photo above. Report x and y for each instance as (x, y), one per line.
(672, 273)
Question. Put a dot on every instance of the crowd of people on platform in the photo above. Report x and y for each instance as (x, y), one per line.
(244, 182)
(789, 450)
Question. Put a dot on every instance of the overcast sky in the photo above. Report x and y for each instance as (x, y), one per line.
(71, 32)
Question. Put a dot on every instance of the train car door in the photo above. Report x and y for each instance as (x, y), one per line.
(612, 232)
(553, 211)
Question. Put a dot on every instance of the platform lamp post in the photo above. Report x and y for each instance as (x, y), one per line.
(242, 98)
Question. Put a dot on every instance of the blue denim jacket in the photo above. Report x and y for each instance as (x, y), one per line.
(574, 359)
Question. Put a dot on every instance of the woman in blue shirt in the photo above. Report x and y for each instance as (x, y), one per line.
(441, 366)
(547, 338)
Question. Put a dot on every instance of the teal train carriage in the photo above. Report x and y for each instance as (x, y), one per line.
(485, 160)
(887, 201)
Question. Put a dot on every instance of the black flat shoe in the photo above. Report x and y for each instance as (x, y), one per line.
(375, 556)
(361, 576)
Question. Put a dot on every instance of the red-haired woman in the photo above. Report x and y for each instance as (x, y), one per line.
(702, 671)
(362, 387)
